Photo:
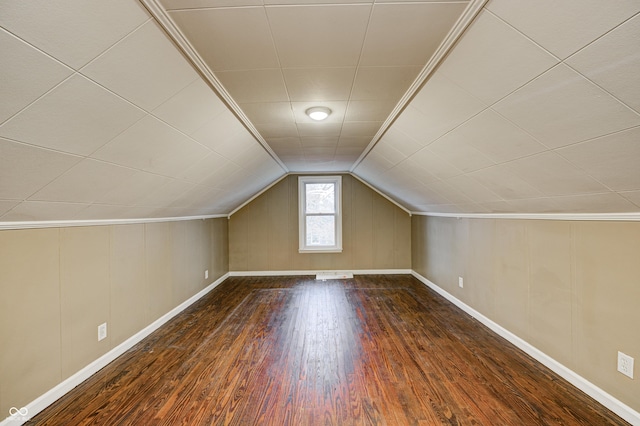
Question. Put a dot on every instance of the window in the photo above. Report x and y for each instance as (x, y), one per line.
(320, 219)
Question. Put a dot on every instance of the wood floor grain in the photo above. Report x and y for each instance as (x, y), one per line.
(374, 350)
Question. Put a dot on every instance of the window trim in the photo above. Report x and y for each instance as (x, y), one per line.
(302, 222)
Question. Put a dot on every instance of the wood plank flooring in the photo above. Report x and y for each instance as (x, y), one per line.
(374, 350)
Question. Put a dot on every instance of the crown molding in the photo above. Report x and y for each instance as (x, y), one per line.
(619, 217)
(4, 226)
(359, 179)
(382, 194)
(182, 43)
(463, 22)
(257, 194)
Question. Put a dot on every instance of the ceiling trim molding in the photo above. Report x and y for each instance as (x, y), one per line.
(467, 17)
(5, 226)
(257, 194)
(617, 217)
(359, 179)
(181, 42)
(364, 182)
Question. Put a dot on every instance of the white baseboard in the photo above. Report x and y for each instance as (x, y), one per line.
(604, 398)
(46, 399)
(314, 272)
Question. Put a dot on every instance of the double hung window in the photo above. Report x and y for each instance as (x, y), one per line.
(320, 219)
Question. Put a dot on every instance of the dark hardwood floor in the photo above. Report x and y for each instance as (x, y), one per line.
(381, 350)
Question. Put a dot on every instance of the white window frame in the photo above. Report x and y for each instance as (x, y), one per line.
(302, 214)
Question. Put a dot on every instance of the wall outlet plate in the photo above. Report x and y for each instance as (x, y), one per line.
(102, 331)
(206, 274)
(625, 364)
(460, 282)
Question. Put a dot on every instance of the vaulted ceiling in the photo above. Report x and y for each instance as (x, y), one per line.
(276, 61)
(122, 109)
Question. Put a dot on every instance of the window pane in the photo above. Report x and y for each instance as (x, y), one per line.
(320, 198)
(321, 231)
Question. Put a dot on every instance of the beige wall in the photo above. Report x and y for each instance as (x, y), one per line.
(57, 286)
(571, 289)
(263, 235)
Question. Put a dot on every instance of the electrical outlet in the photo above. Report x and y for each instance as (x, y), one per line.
(625, 364)
(206, 274)
(102, 331)
(460, 282)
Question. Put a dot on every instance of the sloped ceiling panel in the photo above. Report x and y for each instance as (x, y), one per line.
(103, 118)
(536, 109)
(278, 58)
(532, 112)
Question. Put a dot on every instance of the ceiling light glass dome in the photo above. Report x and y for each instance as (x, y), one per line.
(318, 113)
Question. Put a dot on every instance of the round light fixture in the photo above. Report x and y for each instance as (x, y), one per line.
(318, 113)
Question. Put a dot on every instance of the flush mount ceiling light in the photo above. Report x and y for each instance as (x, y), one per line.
(318, 113)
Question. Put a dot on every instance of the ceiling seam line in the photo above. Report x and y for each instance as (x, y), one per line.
(355, 76)
(560, 61)
(284, 81)
(563, 61)
(465, 20)
(39, 50)
(620, 101)
(508, 24)
(55, 86)
(185, 47)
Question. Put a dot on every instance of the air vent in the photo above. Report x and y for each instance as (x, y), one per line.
(333, 275)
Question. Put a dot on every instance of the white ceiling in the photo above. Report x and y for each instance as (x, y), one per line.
(101, 117)
(280, 58)
(536, 108)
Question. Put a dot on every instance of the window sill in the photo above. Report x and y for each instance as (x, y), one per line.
(320, 250)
